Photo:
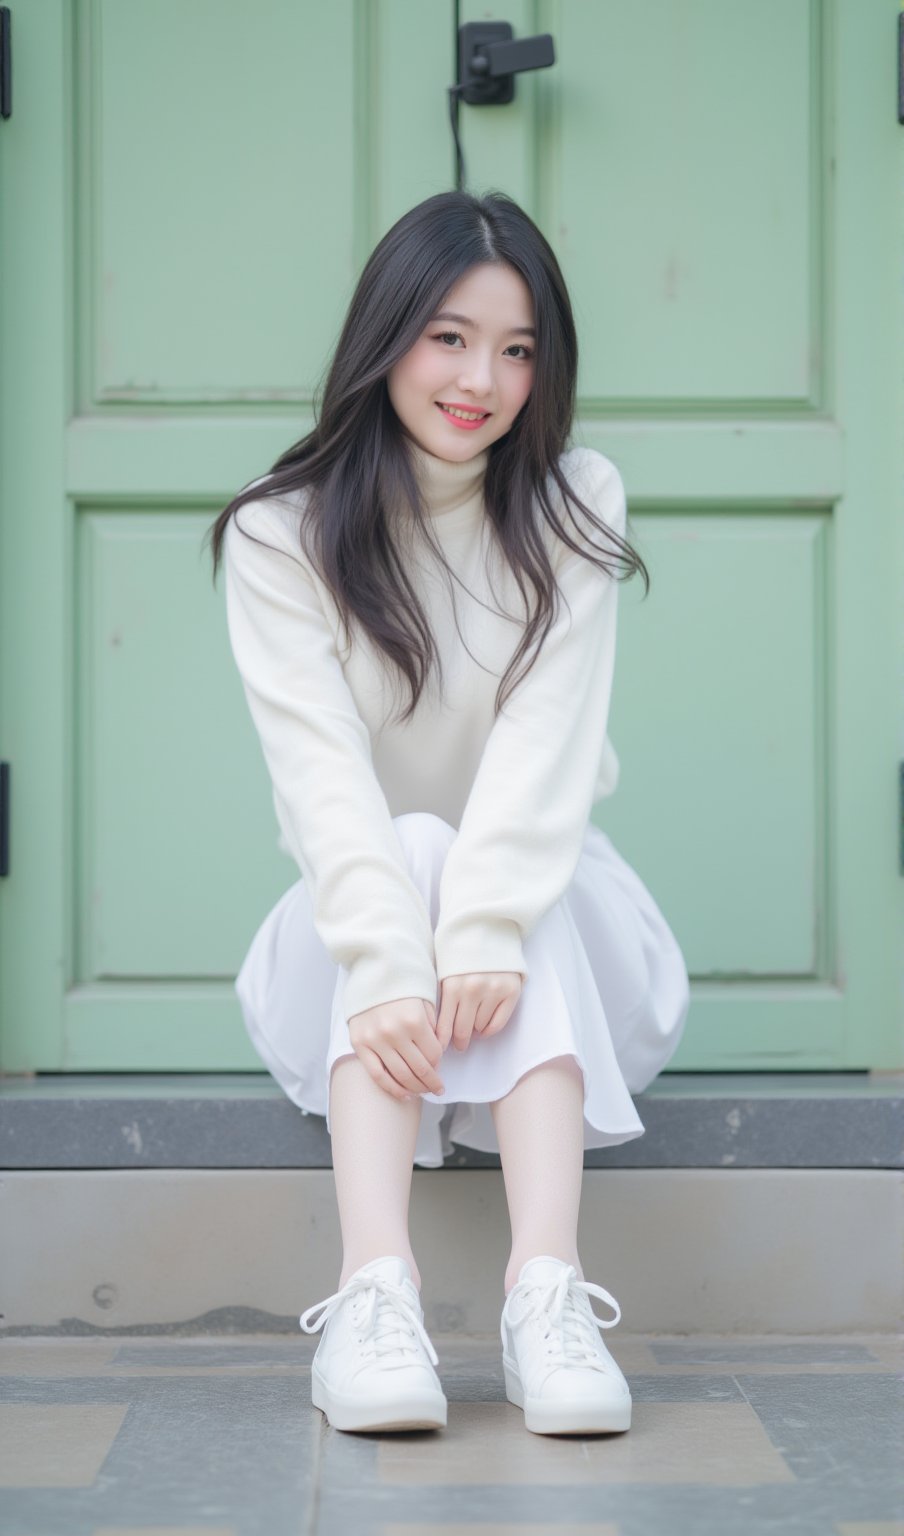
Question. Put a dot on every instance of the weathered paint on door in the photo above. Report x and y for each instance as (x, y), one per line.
(188, 194)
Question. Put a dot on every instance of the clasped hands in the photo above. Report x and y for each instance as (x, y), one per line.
(402, 1042)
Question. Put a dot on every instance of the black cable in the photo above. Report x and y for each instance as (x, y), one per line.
(454, 93)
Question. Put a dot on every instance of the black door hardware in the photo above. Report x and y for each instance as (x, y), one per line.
(4, 818)
(901, 66)
(6, 63)
(489, 58)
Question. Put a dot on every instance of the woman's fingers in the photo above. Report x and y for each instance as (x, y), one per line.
(406, 1069)
(483, 1015)
(446, 1021)
(497, 1020)
(464, 1026)
(402, 1048)
(422, 1067)
(378, 1072)
(479, 1003)
(424, 1039)
(398, 1045)
(398, 1068)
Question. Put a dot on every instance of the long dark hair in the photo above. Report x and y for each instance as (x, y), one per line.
(355, 460)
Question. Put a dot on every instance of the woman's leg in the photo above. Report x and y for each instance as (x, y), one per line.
(373, 1137)
(540, 1129)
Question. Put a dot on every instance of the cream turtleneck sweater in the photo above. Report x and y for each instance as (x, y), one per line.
(518, 789)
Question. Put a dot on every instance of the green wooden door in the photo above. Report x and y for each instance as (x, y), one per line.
(189, 191)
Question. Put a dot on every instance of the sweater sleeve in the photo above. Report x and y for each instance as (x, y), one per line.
(330, 805)
(523, 825)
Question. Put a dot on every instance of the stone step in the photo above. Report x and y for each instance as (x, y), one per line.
(217, 1250)
(244, 1120)
(183, 1204)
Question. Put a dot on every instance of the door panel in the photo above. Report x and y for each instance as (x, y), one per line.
(159, 823)
(183, 225)
(694, 260)
(720, 709)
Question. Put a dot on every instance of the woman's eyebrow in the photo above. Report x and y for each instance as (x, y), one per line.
(516, 330)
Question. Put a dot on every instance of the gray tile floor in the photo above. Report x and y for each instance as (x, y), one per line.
(129, 1436)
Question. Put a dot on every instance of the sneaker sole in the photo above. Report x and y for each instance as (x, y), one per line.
(421, 1410)
(544, 1418)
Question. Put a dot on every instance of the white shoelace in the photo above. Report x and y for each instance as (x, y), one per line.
(577, 1340)
(385, 1303)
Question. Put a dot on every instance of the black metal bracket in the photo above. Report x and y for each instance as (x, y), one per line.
(4, 818)
(901, 817)
(489, 58)
(6, 62)
(901, 66)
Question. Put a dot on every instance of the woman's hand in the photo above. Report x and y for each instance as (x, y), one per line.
(397, 1043)
(478, 1002)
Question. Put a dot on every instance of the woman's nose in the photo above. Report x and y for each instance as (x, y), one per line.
(476, 380)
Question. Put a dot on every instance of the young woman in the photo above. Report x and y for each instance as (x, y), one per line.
(466, 957)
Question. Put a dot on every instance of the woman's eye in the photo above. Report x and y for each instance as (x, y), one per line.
(457, 336)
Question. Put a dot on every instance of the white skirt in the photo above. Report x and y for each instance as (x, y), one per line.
(608, 985)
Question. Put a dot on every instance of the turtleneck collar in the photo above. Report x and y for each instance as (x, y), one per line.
(448, 485)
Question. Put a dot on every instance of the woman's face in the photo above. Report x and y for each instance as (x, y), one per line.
(482, 360)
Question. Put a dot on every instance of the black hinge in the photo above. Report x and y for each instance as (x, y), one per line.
(6, 63)
(901, 66)
(4, 818)
(901, 816)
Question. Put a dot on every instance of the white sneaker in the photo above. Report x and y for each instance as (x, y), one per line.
(373, 1368)
(556, 1366)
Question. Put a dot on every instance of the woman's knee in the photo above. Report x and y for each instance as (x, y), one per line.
(561, 1067)
(425, 840)
(418, 825)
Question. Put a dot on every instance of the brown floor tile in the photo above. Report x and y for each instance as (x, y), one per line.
(716, 1444)
(486, 1528)
(55, 1357)
(59, 1445)
(871, 1528)
(165, 1530)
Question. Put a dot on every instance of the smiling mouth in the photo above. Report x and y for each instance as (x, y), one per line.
(463, 415)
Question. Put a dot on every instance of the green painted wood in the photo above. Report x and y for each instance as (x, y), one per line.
(733, 741)
(170, 298)
(167, 854)
(865, 393)
(202, 260)
(679, 207)
(779, 1027)
(35, 540)
(684, 465)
